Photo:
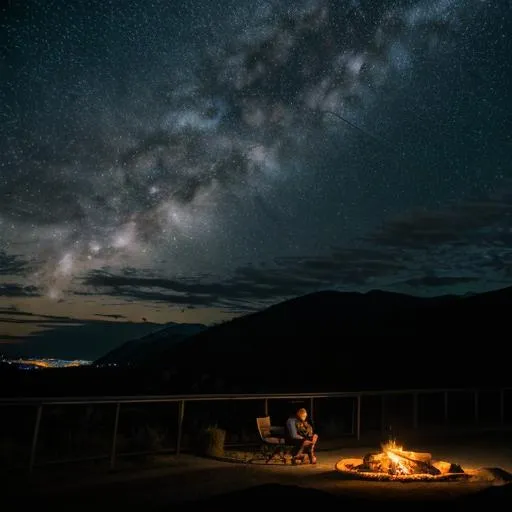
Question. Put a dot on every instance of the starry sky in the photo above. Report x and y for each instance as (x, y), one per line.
(190, 161)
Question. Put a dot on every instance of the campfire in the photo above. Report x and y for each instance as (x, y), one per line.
(395, 463)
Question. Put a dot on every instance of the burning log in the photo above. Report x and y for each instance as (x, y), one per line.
(394, 463)
(404, 463)
(447, 467)
(394, 460)
(376, 462)
(419, 456)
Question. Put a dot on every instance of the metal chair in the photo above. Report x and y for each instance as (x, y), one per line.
(273, 440)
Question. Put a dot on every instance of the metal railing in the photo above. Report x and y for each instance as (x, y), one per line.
(181, 400)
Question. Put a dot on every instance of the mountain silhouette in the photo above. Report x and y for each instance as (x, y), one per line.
(150, 347)
(324, 341)
(335, 340)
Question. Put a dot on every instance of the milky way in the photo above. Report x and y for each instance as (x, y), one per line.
(190, 138)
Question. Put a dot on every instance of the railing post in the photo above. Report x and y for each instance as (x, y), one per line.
(502, 406)
(35, 437)
(114, 437)
(415, 411)
(265, 406)
(446, 406)
(353, 423)
(475, 398)
(358, 418)
(181, 414)
(311, 409)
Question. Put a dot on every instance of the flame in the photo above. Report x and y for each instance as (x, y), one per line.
(400, 464)
(392, 445)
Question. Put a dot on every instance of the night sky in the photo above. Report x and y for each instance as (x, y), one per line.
(189, 161)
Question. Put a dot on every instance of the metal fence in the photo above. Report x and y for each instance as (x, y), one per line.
(357, 399)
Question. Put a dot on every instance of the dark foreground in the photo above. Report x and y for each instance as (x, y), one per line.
(299, 496)
(267, 495)
(182, 481)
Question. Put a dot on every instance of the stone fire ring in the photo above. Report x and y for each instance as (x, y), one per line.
(347, 468)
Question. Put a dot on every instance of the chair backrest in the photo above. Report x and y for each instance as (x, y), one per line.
(264, 426)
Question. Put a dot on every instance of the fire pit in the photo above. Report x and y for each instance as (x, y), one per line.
(394, 463)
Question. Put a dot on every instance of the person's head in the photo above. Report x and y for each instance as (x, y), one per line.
(302, 414)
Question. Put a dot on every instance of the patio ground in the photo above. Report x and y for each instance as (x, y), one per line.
(187, 478)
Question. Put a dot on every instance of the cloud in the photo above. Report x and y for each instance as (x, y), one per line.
(11, 264)
(15, 311)
(253, 287)
(110, 316)
(17, 290)
(485, 222)
(41, 335)
(19, 317)
(435, 281)
(77, 340)
(473, 237)
(462, 248)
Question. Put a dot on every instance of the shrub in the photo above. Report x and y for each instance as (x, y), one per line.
(211, 441)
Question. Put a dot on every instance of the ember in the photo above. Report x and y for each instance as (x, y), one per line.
(394, 463)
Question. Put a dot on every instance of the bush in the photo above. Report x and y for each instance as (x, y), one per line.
(211, 441)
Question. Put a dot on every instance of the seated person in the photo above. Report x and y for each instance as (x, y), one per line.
(300, 434)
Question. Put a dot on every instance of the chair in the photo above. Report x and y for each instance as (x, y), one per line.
(273, 440)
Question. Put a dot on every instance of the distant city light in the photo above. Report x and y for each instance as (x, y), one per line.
(40, 363)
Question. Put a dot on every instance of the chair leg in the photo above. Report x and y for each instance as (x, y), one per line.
(283, 451)
(279, 451)
(264, 452)
(273, 453)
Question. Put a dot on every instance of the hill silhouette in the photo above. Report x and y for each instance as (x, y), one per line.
(323, 341)
(334, 340)
(149, 348)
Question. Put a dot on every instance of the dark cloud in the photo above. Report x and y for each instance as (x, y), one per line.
(78, 340)
(15, 311)
(67, 337)
(16, 290)
(12, 264)
(110, 316)
(434, 281)
(485, 222)
(251, 287)
(462, 246)
(21, 317)
(12, 309)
